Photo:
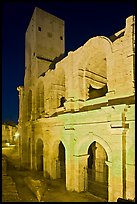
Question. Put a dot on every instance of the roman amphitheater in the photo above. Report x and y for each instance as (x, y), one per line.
(77, 111)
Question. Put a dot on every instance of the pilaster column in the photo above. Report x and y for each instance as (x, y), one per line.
(33, 153)
(81, 176)
(69, 158)
(24, 147)
(110, 181)
(54, 168)
(130, 180)
(46, 160)
(117, 167)
(70, 184)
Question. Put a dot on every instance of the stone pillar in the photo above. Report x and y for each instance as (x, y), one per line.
(130, 181)
(35, 163)
(53, 162)
(110, 181)
(29, 148)
(117, 163)
(69, 158)
(78, 89)
(46, 163)
(23, 130)
(130, 160)
(20, 143)
(20, 90)
(53, 170)
(81, 176)
(70, 185)
(33, 153)
(78, 84)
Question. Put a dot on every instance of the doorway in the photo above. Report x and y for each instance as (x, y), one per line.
(62, 161)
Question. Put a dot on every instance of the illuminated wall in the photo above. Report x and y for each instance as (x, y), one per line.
(88, 98)
(8, 133)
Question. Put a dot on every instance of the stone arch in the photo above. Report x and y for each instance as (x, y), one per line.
(84, 143)
(94, 66)
(81, 152)
(39, 154)
(55, 144)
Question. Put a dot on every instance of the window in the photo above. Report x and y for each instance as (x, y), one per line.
(61, 38)
(95, 93)
(62, 101)
(39, 28)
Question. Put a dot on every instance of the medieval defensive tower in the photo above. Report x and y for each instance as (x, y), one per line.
(44, 42)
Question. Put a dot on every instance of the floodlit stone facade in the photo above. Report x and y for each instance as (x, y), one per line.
(8, 134)
(77, 114)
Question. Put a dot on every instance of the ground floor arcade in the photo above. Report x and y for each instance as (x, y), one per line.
(88, 155)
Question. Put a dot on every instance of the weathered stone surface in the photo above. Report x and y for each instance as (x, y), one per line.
(8, 134)
(36, 186)
(97, 83)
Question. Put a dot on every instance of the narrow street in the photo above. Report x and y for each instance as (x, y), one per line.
(15, 189)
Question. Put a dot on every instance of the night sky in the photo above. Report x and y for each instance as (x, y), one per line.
(82, 22)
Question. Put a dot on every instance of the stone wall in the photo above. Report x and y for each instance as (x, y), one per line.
(104, 116)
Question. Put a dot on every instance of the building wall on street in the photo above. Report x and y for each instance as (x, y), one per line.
(8, 133)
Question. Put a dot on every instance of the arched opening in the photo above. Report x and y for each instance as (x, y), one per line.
(95, 93)
(97, 171)
(61, 158)
(62, 101)
(40, 155)
(96, 67)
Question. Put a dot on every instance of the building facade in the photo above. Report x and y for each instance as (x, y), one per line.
(77, 113)
(8, 134)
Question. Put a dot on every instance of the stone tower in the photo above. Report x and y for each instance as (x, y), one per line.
(44, 42)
